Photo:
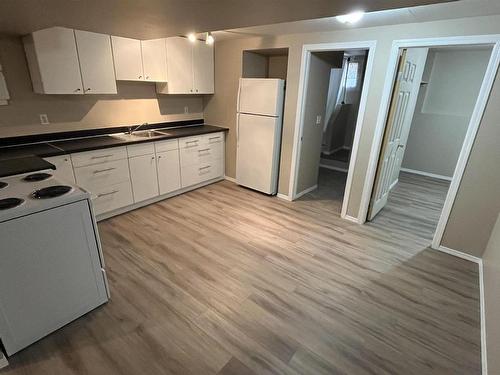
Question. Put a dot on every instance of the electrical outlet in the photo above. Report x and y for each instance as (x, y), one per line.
(318, 119)
(186, 109)
(44, 119)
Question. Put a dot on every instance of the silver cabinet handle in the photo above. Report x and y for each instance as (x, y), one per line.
(105, 194)
(87, 89)
(140, 77)
(77, 90)
(218, 137)
(152, 158)
(196, 90)
(205, 149)
(103, 170)
(202, 168)
(101, 156)
(147, 77)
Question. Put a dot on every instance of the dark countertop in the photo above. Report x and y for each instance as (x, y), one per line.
(54, 148)
(10, 167)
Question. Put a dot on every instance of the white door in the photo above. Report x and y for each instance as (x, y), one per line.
(144, 177)
(258, 146)
(96, 62)
(179, 66)
(410, 70)
(169, 175)
(262, 96)
(58, 61)
(154, 60)
(127, 58)
(64, 168)
(203, 68)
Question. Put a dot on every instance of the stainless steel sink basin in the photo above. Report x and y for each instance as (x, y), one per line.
(147, 134)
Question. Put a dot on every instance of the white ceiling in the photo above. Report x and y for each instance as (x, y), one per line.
(457, 9)
(146, 19)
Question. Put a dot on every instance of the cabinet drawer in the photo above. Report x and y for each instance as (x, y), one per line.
(141, 149)
(194, 174)
(94, 177)
(189, 142)
(201, 155)
(212, 138)
(167, 145)
(81, 159)
(112, 197)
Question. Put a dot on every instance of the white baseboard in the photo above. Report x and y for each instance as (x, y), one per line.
(479, 261)
(484, 350)
(438, 176)
(3, 360)
(232, 179)
(333, 168)
(351, 218)
(284, 196)
(304, 192)
(460, 254)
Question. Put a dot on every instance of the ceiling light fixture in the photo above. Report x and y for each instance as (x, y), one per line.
(350, 18)
(209, 38)
(192, 37)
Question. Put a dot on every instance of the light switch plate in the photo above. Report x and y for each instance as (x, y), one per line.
(318, 119)
(44, 119)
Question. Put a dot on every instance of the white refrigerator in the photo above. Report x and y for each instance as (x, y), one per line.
(258, 133)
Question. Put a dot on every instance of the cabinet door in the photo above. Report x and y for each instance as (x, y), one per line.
(203, 68)
(169, 176)
(179, 66)
(128, 59)
(96, 62)
(143, 176)
(56, 61)
(154, 60)
(64, 168)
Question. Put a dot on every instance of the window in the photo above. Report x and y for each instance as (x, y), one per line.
(352, 75)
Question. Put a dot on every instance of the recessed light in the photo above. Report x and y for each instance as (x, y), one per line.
(192, 37)
(350, 18)
(209, 39)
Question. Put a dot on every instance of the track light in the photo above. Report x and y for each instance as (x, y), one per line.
(192, 37)
(209, 39)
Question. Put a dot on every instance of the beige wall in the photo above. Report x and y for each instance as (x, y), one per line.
(491, 274)
(278, 66)
(221, 108)
(312, 133)
(135, 103)
(478, 199)
(444, 108)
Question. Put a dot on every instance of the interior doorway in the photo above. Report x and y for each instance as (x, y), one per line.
(332, 97)
(434, 95)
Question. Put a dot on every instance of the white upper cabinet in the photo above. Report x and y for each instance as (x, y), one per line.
(203, 68)
(190, 67)
(154, 60)
(96, 62)
(179, 66)
(128, 59)
(53, 61)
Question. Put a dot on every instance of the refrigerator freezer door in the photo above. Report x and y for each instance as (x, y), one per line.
(257, 161)
(261, 96)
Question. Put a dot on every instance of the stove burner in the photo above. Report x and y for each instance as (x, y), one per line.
(7, 203)
(51, 191)
(3, 184)
(37, 177)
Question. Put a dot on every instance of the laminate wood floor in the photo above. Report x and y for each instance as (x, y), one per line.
(224, 280)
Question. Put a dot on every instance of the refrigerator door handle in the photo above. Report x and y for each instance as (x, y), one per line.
(237, 129)
(238, 97)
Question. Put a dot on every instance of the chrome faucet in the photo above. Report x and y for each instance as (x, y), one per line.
(133, 130)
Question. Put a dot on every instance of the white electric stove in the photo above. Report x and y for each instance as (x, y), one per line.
(51, 263)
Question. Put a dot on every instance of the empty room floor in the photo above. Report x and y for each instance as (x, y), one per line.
(414, 206)
(224, 280)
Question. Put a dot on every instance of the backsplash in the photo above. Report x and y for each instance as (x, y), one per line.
(135, 103)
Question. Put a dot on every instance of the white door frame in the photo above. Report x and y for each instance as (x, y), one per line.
(307, 49)
(474, 122)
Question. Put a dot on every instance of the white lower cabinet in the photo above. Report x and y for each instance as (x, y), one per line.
(143, 176)
(117, 177)
(169, 175)
(64, 168)
(112, 197)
